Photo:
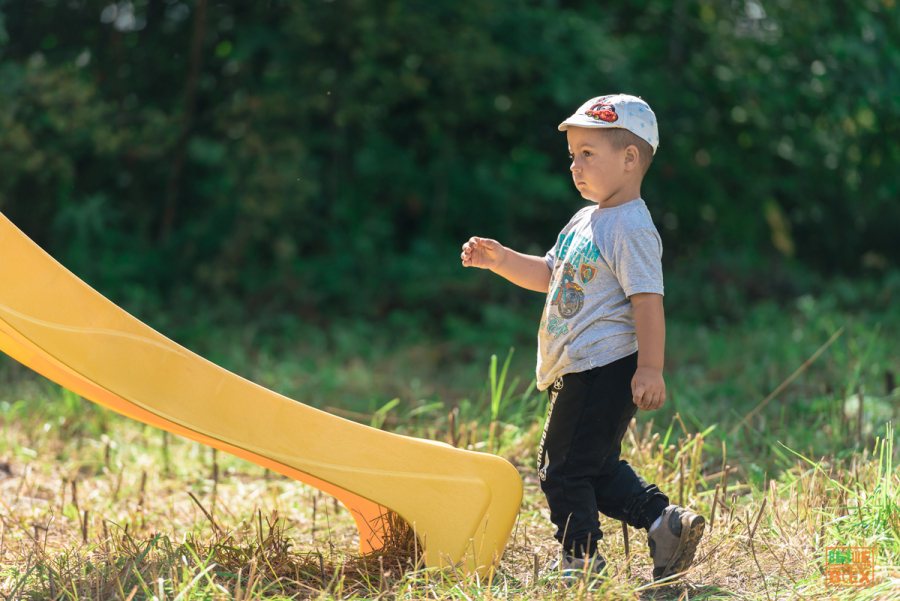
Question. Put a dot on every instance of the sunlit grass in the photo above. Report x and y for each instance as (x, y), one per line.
(97, 506)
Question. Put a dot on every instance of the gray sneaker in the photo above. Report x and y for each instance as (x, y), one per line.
(572, 569)
(674, 541)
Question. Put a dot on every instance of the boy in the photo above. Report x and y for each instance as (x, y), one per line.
(604, 283)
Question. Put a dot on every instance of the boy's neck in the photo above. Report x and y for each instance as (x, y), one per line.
(623, 195)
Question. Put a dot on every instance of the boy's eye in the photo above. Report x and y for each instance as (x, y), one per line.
(571, 157)
(587, 153)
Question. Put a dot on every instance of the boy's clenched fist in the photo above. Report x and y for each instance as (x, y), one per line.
(648, 388)
(482, 252)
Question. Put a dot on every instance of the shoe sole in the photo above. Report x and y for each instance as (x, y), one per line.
(692, 527)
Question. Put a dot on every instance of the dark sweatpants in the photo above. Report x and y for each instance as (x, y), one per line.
(578, 461)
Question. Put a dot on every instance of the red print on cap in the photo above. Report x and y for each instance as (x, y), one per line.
(603, 111)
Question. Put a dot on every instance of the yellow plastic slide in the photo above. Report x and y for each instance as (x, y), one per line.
(462, 504)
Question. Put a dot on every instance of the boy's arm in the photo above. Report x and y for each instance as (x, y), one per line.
(527, 271)
(648, 386)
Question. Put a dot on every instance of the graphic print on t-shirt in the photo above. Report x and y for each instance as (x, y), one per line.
(569, 297)
(573, 263)
(587, 272)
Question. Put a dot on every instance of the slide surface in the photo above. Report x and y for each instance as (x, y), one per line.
(462, 504)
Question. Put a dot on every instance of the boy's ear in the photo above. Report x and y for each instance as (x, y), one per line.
(632, 157)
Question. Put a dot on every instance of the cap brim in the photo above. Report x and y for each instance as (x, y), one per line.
(587, 124)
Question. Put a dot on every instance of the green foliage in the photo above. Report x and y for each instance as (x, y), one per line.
(378, 416)
(499, 393)
(334, 147)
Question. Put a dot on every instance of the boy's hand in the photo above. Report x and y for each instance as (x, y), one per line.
(648, 388)
(482, 252)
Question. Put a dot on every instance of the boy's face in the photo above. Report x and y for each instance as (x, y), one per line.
(599, 172)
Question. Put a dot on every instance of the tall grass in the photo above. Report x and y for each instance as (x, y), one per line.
(274, 538)
(96, 506)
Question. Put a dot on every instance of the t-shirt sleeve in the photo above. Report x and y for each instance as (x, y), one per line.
(638, 262)
(550, 258)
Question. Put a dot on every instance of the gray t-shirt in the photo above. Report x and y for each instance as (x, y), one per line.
(600, 259)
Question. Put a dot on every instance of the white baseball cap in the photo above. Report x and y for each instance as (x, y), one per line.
(617, 110)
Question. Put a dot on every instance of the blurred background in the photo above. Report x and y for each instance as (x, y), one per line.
(283, 186)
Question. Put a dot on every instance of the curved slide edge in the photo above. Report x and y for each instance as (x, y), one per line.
(462, 504)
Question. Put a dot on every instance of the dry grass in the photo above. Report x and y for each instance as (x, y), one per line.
(136, 514)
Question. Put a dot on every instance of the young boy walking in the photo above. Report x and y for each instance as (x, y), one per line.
(601, 340)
